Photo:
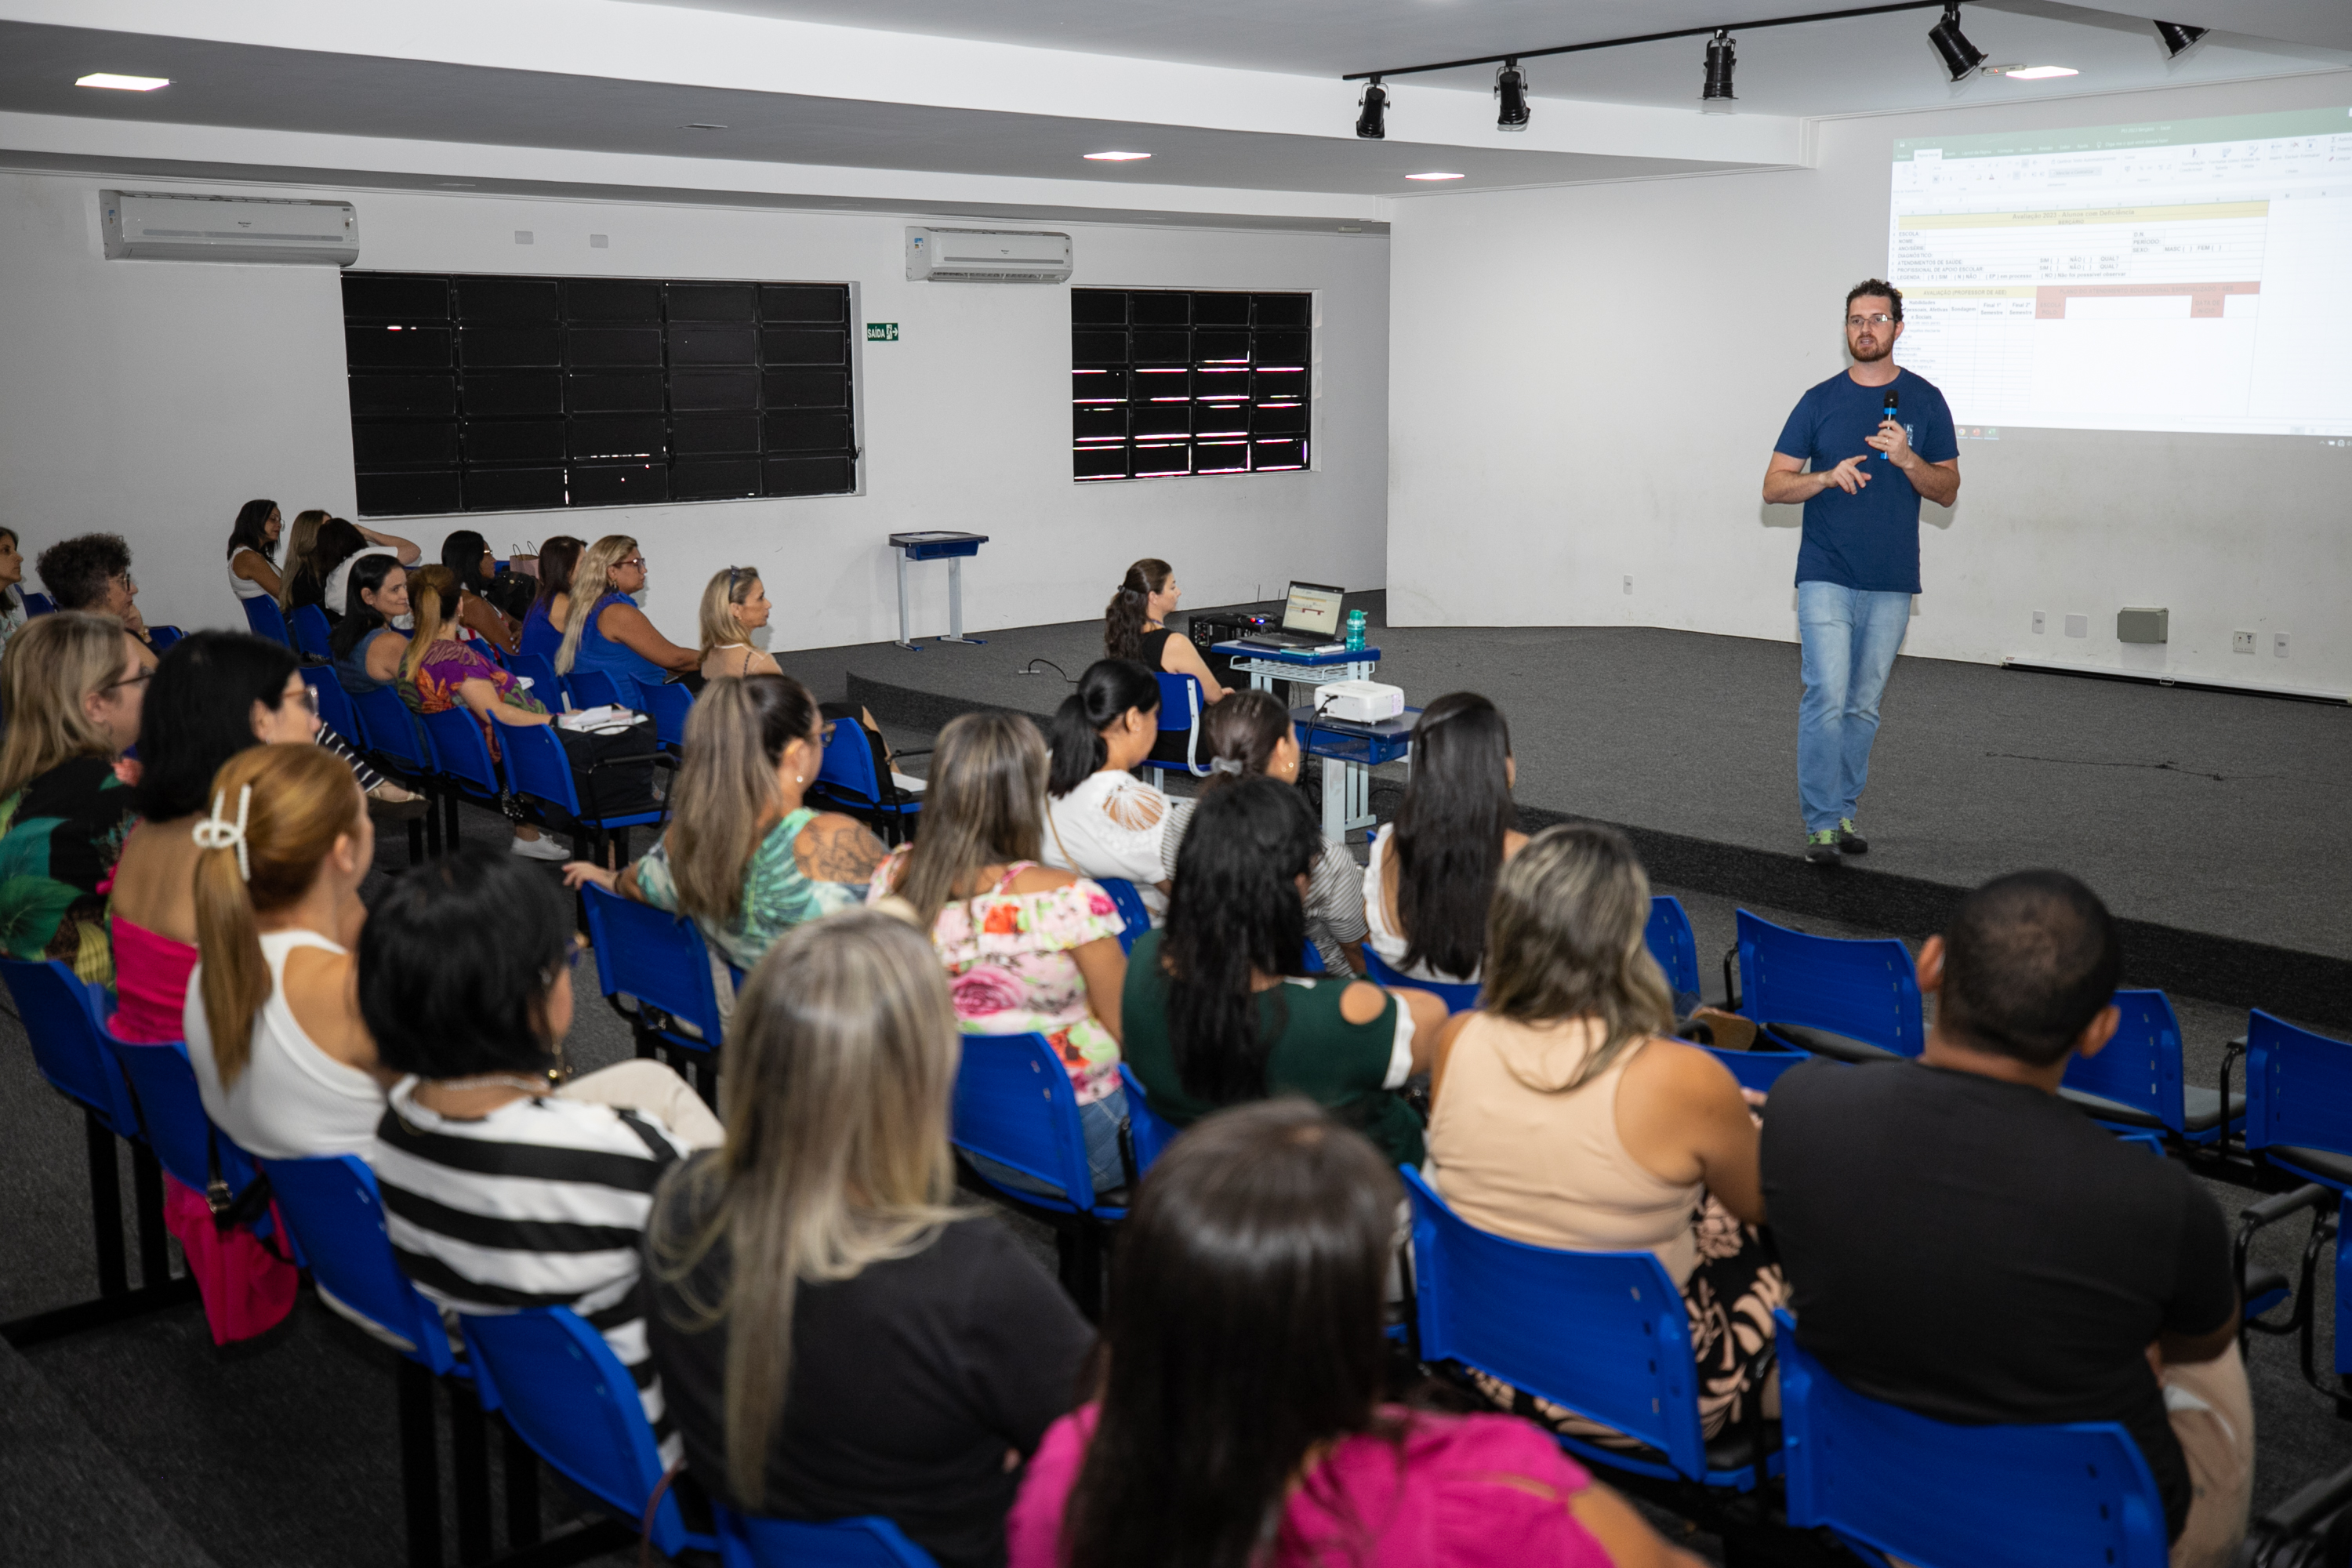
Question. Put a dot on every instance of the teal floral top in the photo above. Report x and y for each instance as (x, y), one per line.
(777, 895)
(59, 838)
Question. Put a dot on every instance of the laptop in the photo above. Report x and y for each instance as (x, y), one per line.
(1310, 621)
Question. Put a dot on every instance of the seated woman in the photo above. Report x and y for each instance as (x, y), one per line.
(468, 556)
(734, 605)
(820, 1251)
(1135, 626)
(606, 633)
(1217, 1010)
(12, 586)
(367, 647)
(1028, 948)
(252, 543)
(742, 855)
(1431, 873)
(439, 672)
(1100, 819)
(91, 572)
(336, 571)
(543, 627)
(214, 694)
(301, 549)
(285, 1065)
(72, 684)
(500, 1189)
(1237, 1415)
(1562, 1116)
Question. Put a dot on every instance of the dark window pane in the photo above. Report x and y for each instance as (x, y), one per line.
(611, 299)
(1283, 309)
(1107, 462)
(1162, 419)
(1094, 421)
(402, 394)
(711, 302)
(1098, 348)
(720, 480)
(1231, 348)
(1098, 386)
(714, 389)
(613, 346)
(1279, 420)
(1221, 419)
(622, 436)
(1159, 387)
(1276, 386)
(701, 344)
(395, 495)
(511, 300)
(403, 444)
(1223, 383)
(700, 435)
(810, 476)
(401, 298)
(513, 489)
(1160, 308)
(1221, 457)
(1097, 308)
(536, 394)
(396, 347)
(514, 441)
(1290, 454)
(1152, 461)
(1282, 350)
(615, 392)
(804, 345)
(1220, 309)
(501, 346)
(806, 388)
(804, 302)
(617, 484)
(811, 432)
(1162, 348)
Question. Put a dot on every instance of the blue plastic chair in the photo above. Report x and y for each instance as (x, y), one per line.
(310, 632)
(161, 639)
(748, 1542)
(1504, 1308)
(1674, 945)
(38, 605)
(1759, 1070)
(1136, 919)
(659, 962)
(335, 709)
(566, 1394)
(1148, 1131)
(1312, 957)
(545, 684)
(1180, 714)
(392, 733)
(540, 770)
(1457, 998)
(2299, 1100)
(1013, 1105)
(172, 1112)
(64, 1016)
(670, 704)
(1852, 1001)
(1943, 1496)
(594, 688)
(2136, 1081)
(848, 780)
(268, 620)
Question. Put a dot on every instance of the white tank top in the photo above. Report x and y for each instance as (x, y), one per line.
(292, 1101)
(245, 587)
(1391, 943)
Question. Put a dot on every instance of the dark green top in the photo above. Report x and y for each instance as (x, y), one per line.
(1316, 1052)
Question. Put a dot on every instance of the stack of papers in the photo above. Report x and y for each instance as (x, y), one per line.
(609, 720)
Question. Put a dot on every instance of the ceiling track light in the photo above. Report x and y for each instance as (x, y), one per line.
(1373, 112)
(1961, 57)
(2178, 37)
(1717, 95)
(1510, 96)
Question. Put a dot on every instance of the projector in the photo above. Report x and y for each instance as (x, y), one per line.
(1360, 701)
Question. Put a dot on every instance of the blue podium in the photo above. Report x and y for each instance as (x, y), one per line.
(936, 544)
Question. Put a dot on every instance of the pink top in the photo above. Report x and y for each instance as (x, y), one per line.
(151, 984)
(1465, 1492)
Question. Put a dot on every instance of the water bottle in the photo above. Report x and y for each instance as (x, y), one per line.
(1355, 631)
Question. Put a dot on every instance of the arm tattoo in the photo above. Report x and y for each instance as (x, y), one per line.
(843, 851)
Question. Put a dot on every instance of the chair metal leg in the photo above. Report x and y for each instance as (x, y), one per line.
(469, 1465)
(520, 1467)
(105, 1206)
(450, 805)
(147, 1198)
(420, 1465)
(1078, 1248)
(432, 825)
(416, 842)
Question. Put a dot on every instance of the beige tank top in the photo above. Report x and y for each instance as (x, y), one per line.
(1516, 1153)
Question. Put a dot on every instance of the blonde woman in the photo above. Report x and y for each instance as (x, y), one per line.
(301, 545)
(1563, 1115)
(605, 631)
(925, 1351)
(734, 605)
(742, 854)
(73, 686)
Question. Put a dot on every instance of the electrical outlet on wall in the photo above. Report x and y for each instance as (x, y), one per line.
(2039, 623)
(2241, 642)
(2078, 625)
(2278, 644)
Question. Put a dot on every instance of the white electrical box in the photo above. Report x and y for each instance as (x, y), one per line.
(1360, 701)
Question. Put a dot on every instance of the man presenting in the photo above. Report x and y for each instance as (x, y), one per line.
(1878, 438)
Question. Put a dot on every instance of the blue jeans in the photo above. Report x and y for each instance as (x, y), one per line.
(1100, 1122)
(1850, 637)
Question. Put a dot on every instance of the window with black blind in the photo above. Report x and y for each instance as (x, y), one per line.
(1167, 381)
(497, 394)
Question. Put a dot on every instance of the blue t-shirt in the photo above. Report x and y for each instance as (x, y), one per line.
(1869, 541)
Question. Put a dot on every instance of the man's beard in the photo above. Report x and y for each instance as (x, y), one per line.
(1871, 356)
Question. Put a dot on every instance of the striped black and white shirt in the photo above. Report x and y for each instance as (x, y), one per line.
(542, 1202)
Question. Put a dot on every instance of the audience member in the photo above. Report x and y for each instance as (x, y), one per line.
(742, 854)
(284, 1063)
(72, 686)
(734, 605)
(542, 628)
(607, 632)
(1027, 947)
(1431, 874)
(214, 694)
(1135, 626)
(439, 672)
(819, 1250)
(335, 584)
(1100, 819)
(368, 649)
(302, 547)
(500, 1189)
(1963, 1243)
(1561, 1116)
(1237, 1418)
(336, 542)
(12, 586)
(92, 573)
(252, 549)
(1218, 1008)
(468, 556)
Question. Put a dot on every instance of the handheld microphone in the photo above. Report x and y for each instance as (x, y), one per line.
(1889, 412)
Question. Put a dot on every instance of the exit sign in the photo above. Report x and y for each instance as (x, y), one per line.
(881, 331)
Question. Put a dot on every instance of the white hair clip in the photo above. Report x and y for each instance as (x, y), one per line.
(1233, 765)
(216, 832)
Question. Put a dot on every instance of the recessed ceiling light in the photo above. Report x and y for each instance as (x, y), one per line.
(1434, 176)
(704, 125)
(1116, 157)
(2041, 73)
(123, 84)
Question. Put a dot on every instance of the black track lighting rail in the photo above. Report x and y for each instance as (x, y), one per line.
(1708, 31)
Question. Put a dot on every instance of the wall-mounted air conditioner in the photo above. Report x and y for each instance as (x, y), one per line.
(146, 226)
(986, 256)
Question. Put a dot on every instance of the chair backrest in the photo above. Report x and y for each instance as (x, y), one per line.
(545, 684)
(656, 957)
(594, 688)
(1941, 1496)
(262, 614)
(308, 624)
(848, 768)
(63, 1015)
(1866, 991)
(1312, 957)
(1759, 1070)
(2298, 1086)
(745, 1542)
(460, 752)
(335, 1211)
(1147, 1130)
(561, 1389)
(334, 703)
(1603, 1333)
(538, 766)
(172, 1115)
(1457, 998)
(670, 704)
(392, 729)
(1180, 712)
(161, 639)
(1013, 1103)
(2140, 1067)
(38, 605)
(1136, 919)
(1672, 943)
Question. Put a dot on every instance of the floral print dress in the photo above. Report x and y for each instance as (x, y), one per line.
(1012, 967)
(777, 894)
(59, 838)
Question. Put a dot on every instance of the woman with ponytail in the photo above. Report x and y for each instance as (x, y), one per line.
(742, 855)
(283, 1060)
(1100, 819)
(437, 672)
(1135, 626)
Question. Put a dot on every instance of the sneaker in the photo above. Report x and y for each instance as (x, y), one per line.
(541, 849)
(1848, 842)
(1821, 848)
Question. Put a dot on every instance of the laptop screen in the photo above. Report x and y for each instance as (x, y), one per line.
(1313, 608)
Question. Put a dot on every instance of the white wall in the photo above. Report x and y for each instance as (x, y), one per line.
(1587, 382)
(152, 398)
